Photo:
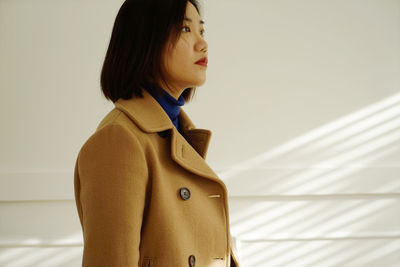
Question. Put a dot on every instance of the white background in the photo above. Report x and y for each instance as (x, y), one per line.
(302, 97)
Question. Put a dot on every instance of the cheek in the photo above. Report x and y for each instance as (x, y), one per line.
(179, 58)
(182, 53)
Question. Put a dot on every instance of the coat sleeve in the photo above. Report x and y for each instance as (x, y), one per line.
(110, 190)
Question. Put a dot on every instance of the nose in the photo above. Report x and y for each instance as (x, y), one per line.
(202, 45)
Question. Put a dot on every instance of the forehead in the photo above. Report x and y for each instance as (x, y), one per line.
(191, 14)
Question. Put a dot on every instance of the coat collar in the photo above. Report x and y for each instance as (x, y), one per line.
(145, 113)
(188, 150)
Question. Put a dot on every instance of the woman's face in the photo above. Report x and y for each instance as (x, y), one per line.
(180, 61)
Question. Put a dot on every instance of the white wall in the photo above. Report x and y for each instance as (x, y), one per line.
(302, 97)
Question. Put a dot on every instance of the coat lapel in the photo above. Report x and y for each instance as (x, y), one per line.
(188, 157)
(199, 139)
(188, 150)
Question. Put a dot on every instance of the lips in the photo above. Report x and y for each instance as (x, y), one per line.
(203, 61)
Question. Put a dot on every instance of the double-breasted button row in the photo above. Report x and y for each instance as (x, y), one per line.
(185, 193)
(192, 260)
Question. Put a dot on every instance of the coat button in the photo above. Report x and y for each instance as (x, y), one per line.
(185, 193)
(192, 260)
(163, 134)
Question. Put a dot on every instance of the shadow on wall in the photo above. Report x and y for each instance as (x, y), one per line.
(322, 199)
(322, 253)
(359, 138)
(64, 252)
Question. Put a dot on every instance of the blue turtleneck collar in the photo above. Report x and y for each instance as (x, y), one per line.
(168, 103)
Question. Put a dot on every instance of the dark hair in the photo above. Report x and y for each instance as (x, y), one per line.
(141, 31)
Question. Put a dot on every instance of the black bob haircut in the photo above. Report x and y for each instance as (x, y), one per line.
(140, 34)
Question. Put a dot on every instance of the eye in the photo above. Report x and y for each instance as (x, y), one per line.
(185, 27)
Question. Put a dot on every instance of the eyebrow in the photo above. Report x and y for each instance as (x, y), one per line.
(190, 20)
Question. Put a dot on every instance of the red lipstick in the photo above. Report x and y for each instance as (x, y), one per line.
(203, 61)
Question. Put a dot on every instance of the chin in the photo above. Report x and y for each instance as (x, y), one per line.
(199, 81)
(194, 81)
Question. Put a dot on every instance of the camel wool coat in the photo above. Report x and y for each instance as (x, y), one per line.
(145, 194)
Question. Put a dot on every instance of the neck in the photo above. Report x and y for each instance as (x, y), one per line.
(170, 105)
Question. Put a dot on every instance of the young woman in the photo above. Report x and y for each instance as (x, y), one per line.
(144, 192)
